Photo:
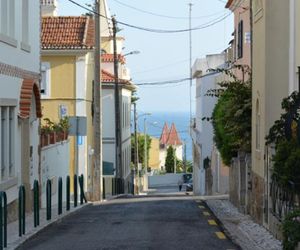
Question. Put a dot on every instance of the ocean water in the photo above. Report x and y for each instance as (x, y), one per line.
(155, 123)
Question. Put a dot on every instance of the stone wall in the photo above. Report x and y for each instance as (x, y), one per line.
(239, 179)
(257, 204)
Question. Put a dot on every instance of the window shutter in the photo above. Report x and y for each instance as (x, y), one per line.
(242, 38)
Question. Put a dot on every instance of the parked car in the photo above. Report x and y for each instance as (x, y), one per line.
(186, 177)
(189, 185)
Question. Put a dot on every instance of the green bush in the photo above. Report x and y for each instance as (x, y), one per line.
(285, 135)
(286, 162)
(231, 117)
(291, 230)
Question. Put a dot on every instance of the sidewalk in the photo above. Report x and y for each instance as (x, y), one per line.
(241, 228)
(13, 239)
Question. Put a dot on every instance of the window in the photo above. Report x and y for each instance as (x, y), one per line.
(7, 136)
(257, 126)
(25, 26)
(45, 82)
(7, 22)
(240, 39)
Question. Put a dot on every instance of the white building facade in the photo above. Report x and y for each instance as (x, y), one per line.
(202, 130)
(20, 107)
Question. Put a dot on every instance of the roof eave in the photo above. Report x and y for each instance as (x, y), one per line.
(65, 51)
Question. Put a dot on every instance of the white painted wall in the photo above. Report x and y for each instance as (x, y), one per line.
(203, 134)
(9, 52)
(81, 90)
(164, 180)
(109, 127)
(54, 164)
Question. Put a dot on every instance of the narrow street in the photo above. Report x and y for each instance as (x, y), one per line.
(153, 222)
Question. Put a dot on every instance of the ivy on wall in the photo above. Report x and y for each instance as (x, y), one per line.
(231, 118)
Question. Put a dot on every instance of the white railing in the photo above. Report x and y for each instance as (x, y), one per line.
(48, 2)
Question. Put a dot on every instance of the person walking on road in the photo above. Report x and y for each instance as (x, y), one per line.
(180, 182)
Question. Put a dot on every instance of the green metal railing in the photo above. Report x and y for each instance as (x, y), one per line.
(60, 200)
(103, 189)
(48, 199)
(36, 204)
(3, 220)
(81, 185)
(22, 198)
(68, 192)
(75, 190)
(36, 207)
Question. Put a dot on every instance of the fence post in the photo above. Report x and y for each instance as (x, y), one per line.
(81, 185)
(75, 190)
(68, 192)
(117, 186)
(3, 220)
(60, 186)
(22, 198)
(48, 199)
(36, 212)
(103, 188)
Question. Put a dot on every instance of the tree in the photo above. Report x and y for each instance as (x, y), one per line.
(231, 118)
(170, 160)
(141, 152)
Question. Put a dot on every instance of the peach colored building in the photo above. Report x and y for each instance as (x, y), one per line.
(241, 43)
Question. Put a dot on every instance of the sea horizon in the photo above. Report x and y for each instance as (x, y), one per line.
(156, 121)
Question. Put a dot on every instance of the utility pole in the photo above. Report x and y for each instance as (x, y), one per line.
(117, 105)
(145, 144)
(184, 157)
(97, 122)
(175, 162)
(136, 161)
(190, 40)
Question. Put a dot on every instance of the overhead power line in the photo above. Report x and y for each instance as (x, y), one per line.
(165, 16)
(163, 82)
(203, 26)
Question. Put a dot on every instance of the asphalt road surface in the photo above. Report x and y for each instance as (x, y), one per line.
(162, 222)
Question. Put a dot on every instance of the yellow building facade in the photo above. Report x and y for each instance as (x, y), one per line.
(67, 84)
(154, 161)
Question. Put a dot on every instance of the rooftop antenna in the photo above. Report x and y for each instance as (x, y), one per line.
(190, 40)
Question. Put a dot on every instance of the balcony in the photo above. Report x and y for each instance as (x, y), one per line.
(48, 2)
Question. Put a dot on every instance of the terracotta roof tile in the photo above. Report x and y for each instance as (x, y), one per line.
(173, 138)
(107, 77)
(110, 58)
(164, 135)
(65, 32)
(228, 4)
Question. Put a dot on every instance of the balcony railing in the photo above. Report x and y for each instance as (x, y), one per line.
(284, 199)
(48, 2)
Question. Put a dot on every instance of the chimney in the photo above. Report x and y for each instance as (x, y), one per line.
(49, 7)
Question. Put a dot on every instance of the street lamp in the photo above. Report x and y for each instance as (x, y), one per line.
(136, 147)
(135, 52)
(145, 141)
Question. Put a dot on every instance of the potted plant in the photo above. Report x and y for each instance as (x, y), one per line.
(65, 126)
(58, 132)
(45, 132)
(52, 133)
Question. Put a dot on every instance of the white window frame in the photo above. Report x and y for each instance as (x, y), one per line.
(7, 22)
(46, 80)
(7, 139)
(25, 26)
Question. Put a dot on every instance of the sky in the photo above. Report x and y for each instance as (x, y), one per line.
(165, 57)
